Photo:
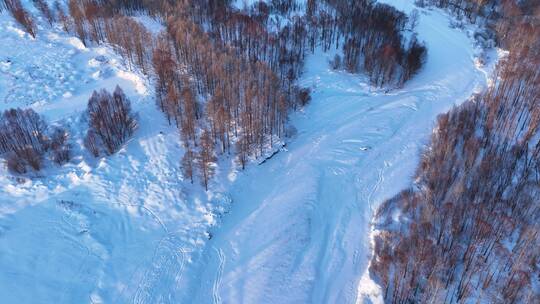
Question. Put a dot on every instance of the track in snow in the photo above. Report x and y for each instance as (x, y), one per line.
(219, 273)
(158, 284)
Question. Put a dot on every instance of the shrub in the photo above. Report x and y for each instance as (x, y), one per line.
(60, 148)
(15, 164)
(304, 96)
(335, 63)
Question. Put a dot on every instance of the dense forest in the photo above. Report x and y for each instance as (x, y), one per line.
(469, 228)
(227, 78)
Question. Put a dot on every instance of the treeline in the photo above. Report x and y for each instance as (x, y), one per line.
(217, 94)
(217, 97)
(231, 76)
(371, 34)
(470, 228)
(469, 9)
(497, 17)
(374, 41)
(372, 37)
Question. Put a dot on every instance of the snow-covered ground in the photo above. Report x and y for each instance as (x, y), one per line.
(128, 228)
(112, 230)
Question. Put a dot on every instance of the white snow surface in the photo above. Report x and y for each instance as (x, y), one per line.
(296, 229)
(110, 230)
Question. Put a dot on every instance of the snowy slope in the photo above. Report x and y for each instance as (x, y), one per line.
(299, 231)
(113, 230)
(128, 229)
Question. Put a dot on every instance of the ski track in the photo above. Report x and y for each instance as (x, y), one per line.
(167, 267)
(217, 282)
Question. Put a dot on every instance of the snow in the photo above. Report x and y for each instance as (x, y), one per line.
(295, 229)
(240, 4)
(116, 229)
(152, 24)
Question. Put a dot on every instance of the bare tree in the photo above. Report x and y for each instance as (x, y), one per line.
(110, 120)
(206, 158)
(187, 164)
(22, 16)
(43, 7)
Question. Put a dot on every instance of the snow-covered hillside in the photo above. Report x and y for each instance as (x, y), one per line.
(295, 229)
(96, 230)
